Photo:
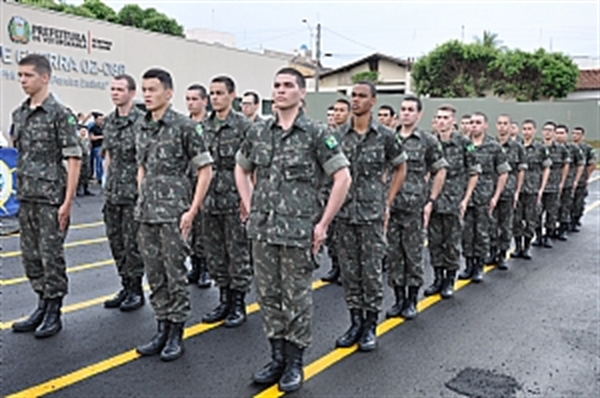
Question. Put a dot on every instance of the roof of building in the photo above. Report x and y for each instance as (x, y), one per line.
(374, 56)
(589, 79)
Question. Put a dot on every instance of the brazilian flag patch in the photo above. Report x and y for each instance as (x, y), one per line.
(331, 142)
(470, 148)
(71, 120)
(199, 129)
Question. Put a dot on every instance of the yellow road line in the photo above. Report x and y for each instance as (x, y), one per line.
(87, 372)
(66, 246)
(77, 268)
(592, 206)
(72, 227)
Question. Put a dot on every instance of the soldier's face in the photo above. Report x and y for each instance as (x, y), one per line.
(220, 99)
(31, 81)
(514, 130)
(341, 113)
(120, 93)
(362, 99)
(384, 117)
(444, 121)
(286, 92)
(409, 113)
(503, 126)
(577, 136)
(528, 131)
(194, 102)
(249, 108)
(156, 96)
(548, 132)
(465, 126)
(478, 125)
(561, 135)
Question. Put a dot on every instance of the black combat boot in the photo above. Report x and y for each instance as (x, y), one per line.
(546, 242)
(527, 248)
(501, 263)
(135, 295)
(438, 280)
(562, 231)
(352, 335)
(574, 226)
(468, 271)
(293, 375)
(194, 273)
(173, 348)
(368, 338)
(204, 280)
(34, 320)
(333, 276)
(222, 310)
(272, 372)
(157, 343)
(477, 270)
(410, 305)
(121, 295)
(237, 309)
(492, 259)
(400, 294)
(448, 285)
(51, 323)
(538, 238)
(518, 253)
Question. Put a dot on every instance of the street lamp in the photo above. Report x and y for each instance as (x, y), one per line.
(311, 43)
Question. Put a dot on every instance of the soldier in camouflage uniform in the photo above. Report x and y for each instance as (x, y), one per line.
(120, 193)
(501, 223)
(445, 227)
(225, 241)
(575, 172)
(411, 209)
(289, 154)
(526, 216)
(85, 172)
(581, 192)
(167, 143)
(561, 159)
(371, 149)
(491, 182)
(44, 133)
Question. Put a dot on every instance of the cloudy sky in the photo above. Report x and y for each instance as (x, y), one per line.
(351, 29)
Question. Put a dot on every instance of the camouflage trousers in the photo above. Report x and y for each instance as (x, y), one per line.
(444, 232)
(227, 251)
(550, 208)
(283, 290)
(476, 232)
(578, 203)
(527, 217)
(501, 225)
(121, 230)
(42, 250)
(405, 249)
(85, 173)
(163, 252)
(361, 249)
(566, 203)
(197, 238)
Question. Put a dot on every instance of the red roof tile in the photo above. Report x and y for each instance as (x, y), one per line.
(589, 79)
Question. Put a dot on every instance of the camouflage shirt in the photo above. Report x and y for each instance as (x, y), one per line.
(493, 162)
(515, 155)
(459, 152)
(589, 155)
(223, 139)
(289, 169)
(370, 155)
(559, 154)
(577, 160)
(119, 141)
(165, 149)
(538, 159)
(44, 136)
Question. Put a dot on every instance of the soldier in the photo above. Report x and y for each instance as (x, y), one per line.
(225, 241)
(196, 100)
(371, 149)
(465, 125)
(167, 143)
(44, 133)
(501, 223)
(514, 133)
(85, 172)
(411, 209)
(120, 193)
(286, 223)
(250, 106)
(561, 159)
(581, 190)
(330, 119)
(445, 227)
(490, 184)
(575, 172)
(341, 112)
(526, 217)
(385, 115)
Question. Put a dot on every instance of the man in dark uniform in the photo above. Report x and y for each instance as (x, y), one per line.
(581, 192)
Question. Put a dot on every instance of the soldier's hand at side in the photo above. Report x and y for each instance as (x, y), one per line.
(64, 212)
(243, 212)
(185, 224)
(492, 206)
(538, 200)
(427, 214)
(319, 234)
(463, 209)
(515, 200)
(386, 219)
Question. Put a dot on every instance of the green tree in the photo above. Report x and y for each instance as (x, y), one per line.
(131, 15)
(370, 76)
(99, 10)
(490, 40)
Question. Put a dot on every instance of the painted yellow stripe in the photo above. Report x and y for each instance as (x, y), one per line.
(71, 227)
(66, 246)
(78, 268)
(87, 372)
(592, 206)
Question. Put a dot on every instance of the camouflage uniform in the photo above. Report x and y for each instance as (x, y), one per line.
(85, 172)
(405, 230)
(44, 136)
(120, 192)
(285, 207)
(476, 229)
(559, 154)
(165, 149)
(360, 220)
(224, 237)
(566, 197)
(526, 218)
(445, 226)
(581, 191)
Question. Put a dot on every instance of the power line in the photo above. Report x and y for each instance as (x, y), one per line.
(349, 39)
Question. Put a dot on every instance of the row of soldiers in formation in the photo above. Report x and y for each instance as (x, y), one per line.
(278, 184)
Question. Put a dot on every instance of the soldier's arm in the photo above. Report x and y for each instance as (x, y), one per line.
(565, 169)
(520, 174)
(67, 137)
(591, 162)
(437, 164)
(396, 158)
(579, 171)
(244, 174)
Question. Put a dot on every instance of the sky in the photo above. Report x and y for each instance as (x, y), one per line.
(353, 29)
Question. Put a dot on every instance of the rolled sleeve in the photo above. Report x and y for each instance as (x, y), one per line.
(335, 163)
(201, 160)
(523, 166)
(398, 160)
(439, 164)
(475, 170)
(243, 161)
(72, 152)
(503, 168)
(547, 163)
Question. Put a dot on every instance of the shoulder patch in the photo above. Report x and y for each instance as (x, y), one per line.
(71, 120)
(331, 142)
(199, 129)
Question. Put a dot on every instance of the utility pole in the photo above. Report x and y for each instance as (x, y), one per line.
(318, 57)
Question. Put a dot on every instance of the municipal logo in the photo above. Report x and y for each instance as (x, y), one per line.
(19, 30)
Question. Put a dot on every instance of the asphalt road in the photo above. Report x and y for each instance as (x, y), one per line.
(533, 331)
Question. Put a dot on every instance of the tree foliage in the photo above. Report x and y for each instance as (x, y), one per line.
(369, 76)
(130, 15)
